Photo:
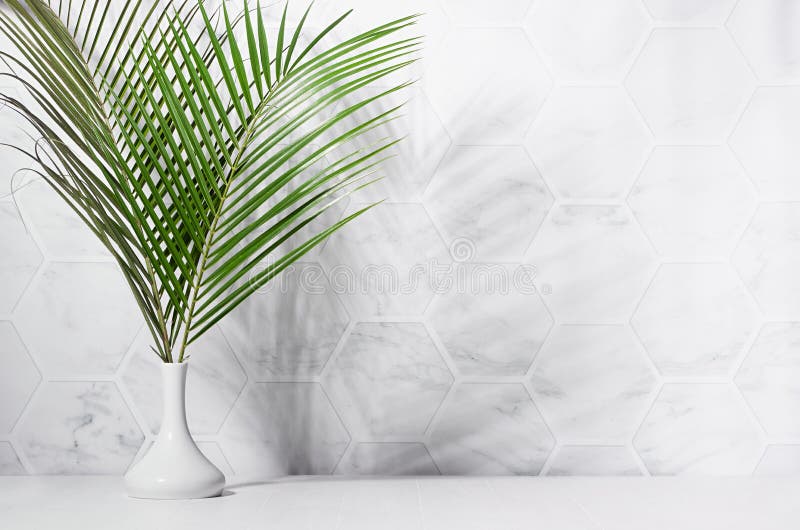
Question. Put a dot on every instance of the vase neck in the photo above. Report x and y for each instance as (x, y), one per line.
(173, 381)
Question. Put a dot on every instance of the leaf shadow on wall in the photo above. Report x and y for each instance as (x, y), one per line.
(287, 422)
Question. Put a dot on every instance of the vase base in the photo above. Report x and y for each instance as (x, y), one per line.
(179, 479)
(179, 482)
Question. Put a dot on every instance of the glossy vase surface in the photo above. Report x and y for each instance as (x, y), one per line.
(174, 467)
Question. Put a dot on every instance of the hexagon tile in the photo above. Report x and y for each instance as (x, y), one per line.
(766, 138)
(283, 428)
(489, 429)
(211, 450)
(327, 217)
(14, 131)
(388, 381)
(641, 156)
(690, 12)
(768, 257)
(699, 429)
(490, 331)
(79, 428)
(765, 30)
(388, 459)
(768, 378)
(90, 316)
(595, 260)
(596, 460)
(780, 460)
(592, 383)
(464, 93)
(690, 84)
(693, 202)
(368, 14)
(213, 383)
(9, 461)
(577, 39)
(479, 13)
(61, 231)
(695, 319)
(589, 142)
(18, 379)
(289, 328)
(20, 257)
(382, 264)
(425, 142)
(500, 218)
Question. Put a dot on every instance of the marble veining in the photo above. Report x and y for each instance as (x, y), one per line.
(693, 202)
(78, 428)
(88, 335)
(388, 380)
(592, 383)
(589, 142)
(388, 459)
(283, 428)
(699, 429)
(597, 460)
(490, 331)
(383, 263)
(640, 155)
(594, 260)
(695, 319)
(289, 328)
(500, 221)
(769, 378)
(490, 429)
(768, 256)
(694, 100)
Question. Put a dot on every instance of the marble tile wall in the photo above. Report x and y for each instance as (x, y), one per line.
(612, 188)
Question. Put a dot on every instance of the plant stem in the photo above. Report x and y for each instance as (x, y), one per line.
(217, 216)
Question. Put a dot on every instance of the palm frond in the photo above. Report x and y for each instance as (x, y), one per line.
(195, 147)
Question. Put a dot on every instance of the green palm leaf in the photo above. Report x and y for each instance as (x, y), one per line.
(192, 146)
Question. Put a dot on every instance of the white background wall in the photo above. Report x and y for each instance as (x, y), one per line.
(641, 155)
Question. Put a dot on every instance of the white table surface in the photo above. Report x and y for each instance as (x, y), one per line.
(614, 503)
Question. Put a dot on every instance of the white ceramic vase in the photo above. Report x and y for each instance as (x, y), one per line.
(174, 468)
